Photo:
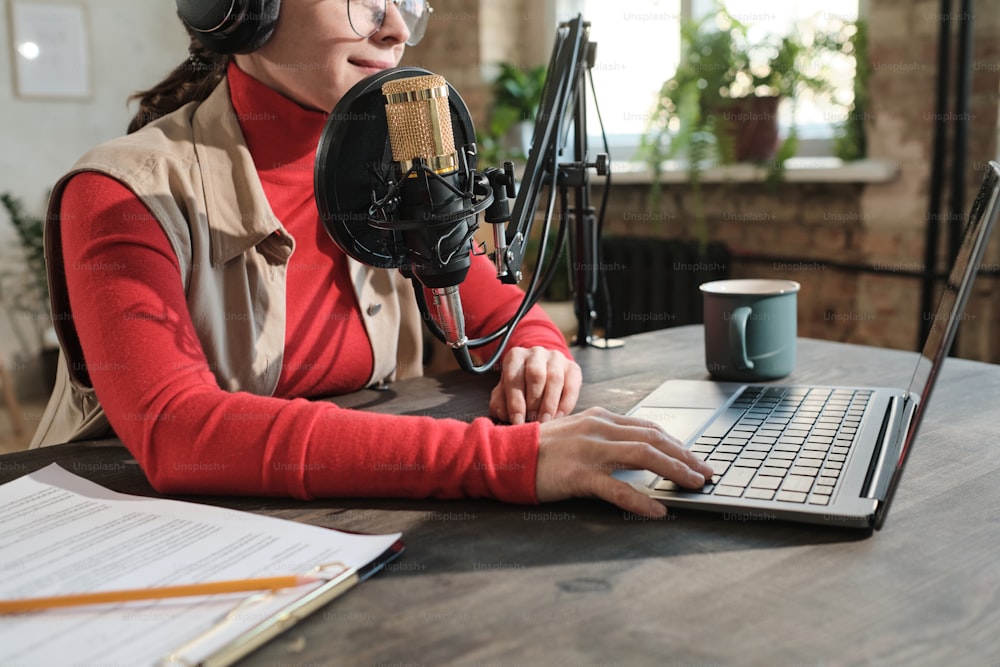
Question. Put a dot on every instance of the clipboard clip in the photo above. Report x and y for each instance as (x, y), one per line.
(176, 657)
(326, 571)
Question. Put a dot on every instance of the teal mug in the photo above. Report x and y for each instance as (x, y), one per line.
(751, 328)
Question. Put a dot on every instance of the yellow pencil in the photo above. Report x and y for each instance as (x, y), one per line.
(186, 590)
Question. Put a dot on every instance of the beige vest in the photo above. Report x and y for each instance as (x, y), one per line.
(193, 170)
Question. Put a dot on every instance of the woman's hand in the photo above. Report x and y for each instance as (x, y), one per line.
(535, 384)
(577, 454)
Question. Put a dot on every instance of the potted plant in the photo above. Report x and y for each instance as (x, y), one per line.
(517, 93)
(721, 105)
(32, 288)
(850, 141)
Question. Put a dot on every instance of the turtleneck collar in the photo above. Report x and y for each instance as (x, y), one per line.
(282, 135)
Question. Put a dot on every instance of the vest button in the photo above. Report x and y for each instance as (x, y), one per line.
(374, 309)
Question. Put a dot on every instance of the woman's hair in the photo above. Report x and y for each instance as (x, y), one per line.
(192, 81)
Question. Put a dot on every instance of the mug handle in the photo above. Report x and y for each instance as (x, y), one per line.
(738, 338)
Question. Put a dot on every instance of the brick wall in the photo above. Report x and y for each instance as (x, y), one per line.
(856, 248)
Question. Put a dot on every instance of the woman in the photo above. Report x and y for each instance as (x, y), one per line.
(200, 303)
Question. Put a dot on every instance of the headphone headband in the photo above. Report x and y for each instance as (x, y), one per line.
(230, 26)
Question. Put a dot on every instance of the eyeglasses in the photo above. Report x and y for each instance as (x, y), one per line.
(367, 16)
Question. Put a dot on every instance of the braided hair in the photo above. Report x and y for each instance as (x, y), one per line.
(191, 81)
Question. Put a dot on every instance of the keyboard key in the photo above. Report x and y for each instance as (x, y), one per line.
(771, 483)
(805, 472)
(738, 476)
(746, 462)
(720, 467)
(752, 454)
(759, 494)
(823, 490)
(778, 463)
(728, 449)
(797, 483)
(777, 473)
(667, 485)
(791, 496)
(721, 457)
(819, 500)
(818, 442)
(806, 462)
(734, 491)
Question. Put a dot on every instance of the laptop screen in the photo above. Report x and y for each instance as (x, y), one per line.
(950, 312)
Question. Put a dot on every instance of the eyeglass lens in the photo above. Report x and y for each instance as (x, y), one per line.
(367, 16)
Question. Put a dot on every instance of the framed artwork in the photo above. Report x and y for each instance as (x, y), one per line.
(51, 55)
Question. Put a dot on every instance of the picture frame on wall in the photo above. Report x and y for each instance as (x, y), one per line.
(51, 52)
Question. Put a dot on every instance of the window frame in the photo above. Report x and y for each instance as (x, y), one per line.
(815, 141)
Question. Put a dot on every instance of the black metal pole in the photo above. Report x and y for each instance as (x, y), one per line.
(963, 93)
(932, 228)
(584, 238)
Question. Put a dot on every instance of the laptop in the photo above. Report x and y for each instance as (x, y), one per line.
(827, 455)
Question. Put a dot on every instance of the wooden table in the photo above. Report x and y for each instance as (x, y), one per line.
(582, 583)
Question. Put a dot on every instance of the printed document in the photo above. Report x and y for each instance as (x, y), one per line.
(62, 534)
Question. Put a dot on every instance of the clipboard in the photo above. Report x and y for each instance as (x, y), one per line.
(273, 625)
(97, 540)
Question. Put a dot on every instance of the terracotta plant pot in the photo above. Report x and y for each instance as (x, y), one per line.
(747, 129)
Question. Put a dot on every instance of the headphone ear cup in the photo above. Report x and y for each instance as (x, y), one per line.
(249, 34)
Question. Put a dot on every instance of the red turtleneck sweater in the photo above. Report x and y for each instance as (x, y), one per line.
(189, 435)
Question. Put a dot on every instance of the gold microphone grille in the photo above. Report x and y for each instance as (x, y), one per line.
(419, 120)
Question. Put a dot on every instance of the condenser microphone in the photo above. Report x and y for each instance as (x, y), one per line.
(434, 206)
(397, 188)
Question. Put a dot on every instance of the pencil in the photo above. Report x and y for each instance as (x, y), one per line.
(186, 590)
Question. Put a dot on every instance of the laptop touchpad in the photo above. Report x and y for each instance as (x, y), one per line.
(682, 423)
(691, 394)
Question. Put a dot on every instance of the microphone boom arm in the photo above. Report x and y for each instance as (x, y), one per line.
(563, 106)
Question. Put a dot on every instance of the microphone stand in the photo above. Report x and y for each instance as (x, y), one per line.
(565, 96)
(585, 267)
(368, 216)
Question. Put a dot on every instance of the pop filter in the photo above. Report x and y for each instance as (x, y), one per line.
(354, 167)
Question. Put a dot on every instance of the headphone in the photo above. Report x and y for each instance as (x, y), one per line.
(230, 26)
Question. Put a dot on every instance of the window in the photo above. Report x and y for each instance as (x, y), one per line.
(638, 48)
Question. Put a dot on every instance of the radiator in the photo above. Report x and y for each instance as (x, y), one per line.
(653, 283)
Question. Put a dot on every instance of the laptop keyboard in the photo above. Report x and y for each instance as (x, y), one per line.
(780, 443)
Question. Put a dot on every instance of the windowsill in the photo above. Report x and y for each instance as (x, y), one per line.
(797, 170)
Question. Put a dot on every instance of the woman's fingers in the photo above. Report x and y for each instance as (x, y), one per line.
(535, 384)
(578, 454)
